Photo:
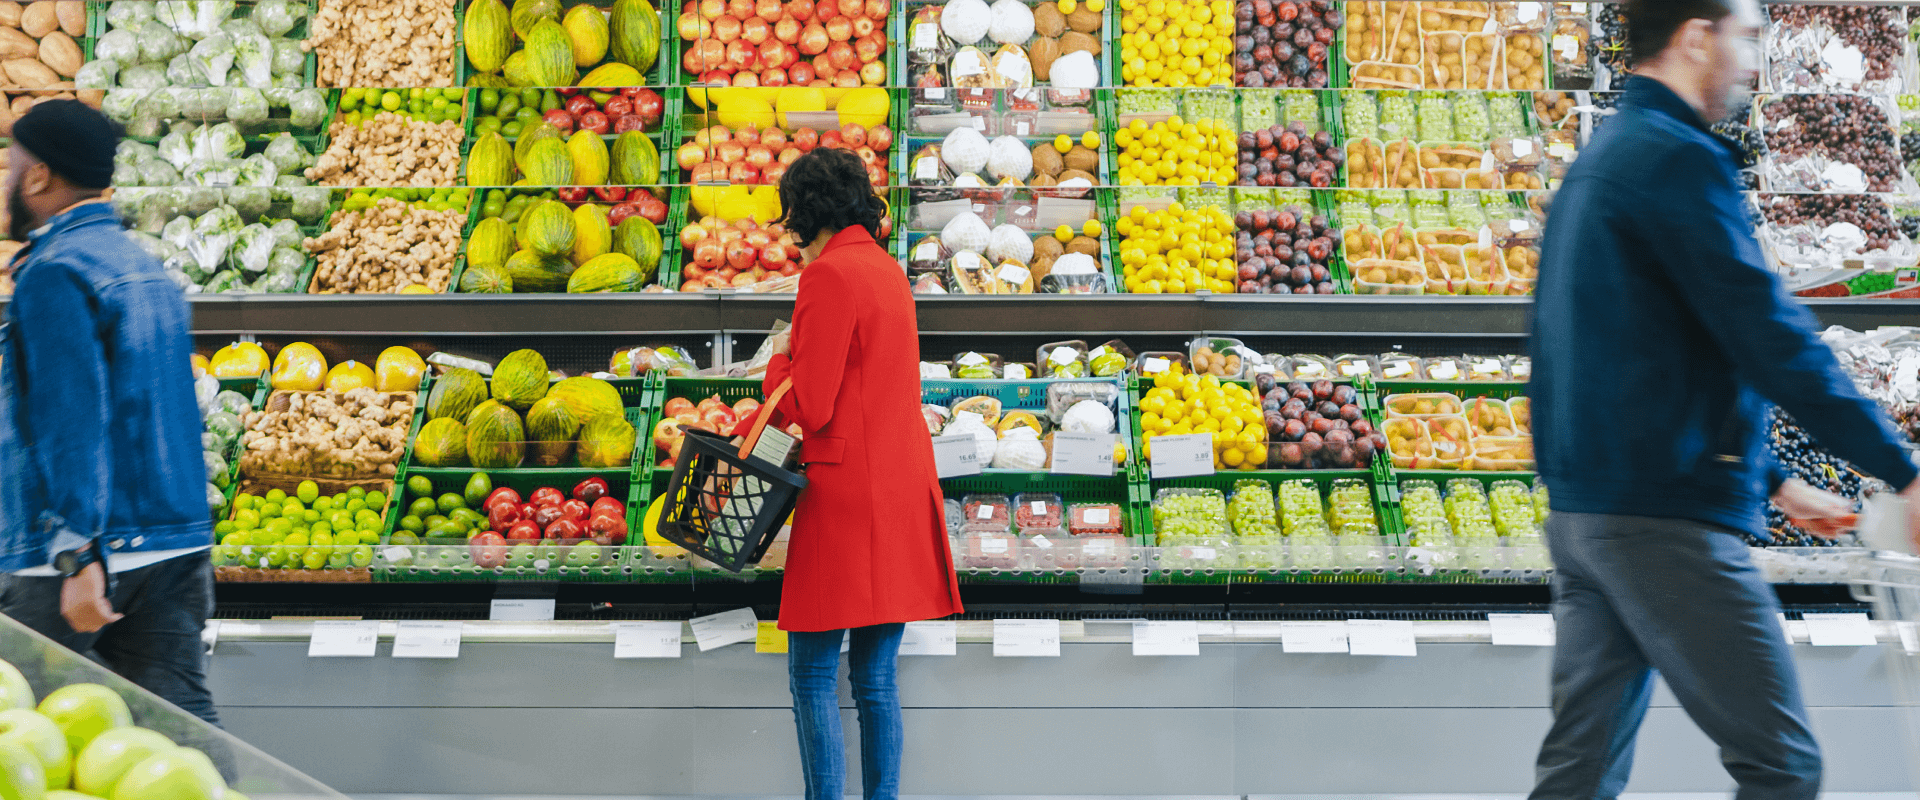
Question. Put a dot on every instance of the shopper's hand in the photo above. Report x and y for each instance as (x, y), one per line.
(83, 600)
(781, 343)
(1820, 513)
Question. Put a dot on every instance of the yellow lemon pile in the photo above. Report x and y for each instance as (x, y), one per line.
(1176, 42)
(1174, 152)
(1180, 404)
(1177, 250)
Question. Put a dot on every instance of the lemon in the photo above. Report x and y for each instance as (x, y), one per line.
(1064, 233)
(1063, 143)
(1066, 6)
(1091, 228)
(1096, 6)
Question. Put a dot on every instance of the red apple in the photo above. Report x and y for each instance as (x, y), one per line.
(831, 138)
(755, 30)
(824, 10)
(801, 10)
(525, 529)
(573, 194)
(618, 105)
(579, 104)
(564, 528)
(648, 104)
(488, 550)
(800, 73)
(726, 29)
(589, 490)
(502, 516)
(546, 496)
(740, 54)
(559, 118)
(853, 134)
(771, 176)
(595, 121)
(880, 137)
(787, 30)
(607, 529)
(574, 509)
(608, 505)
(501, 495)
(610, 194)
(840, 29)
(805, 138)
(653, 209)
(629, 122)
(545, 515)
(814, 39)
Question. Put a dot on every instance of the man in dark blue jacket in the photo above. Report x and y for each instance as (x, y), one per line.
(104, 523)
(1658, 331)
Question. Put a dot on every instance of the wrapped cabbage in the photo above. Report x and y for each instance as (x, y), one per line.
(159, 104)
(157, 173)
(218, 141)
(200, 199)
(308, 108)
(205, 388)
(253, 56)
(286, 233)
(289, 81)
(1088, 416)
(120, 105)
(158, 42)
(1020, 449)
(241, 26)
(125, 175)
(250, 201)
(131, 153)
(286, 154)
(288, 59)
(126, 201)
(97, 74)
(128, 13)
(309, 204)
(290, 181)
(220, 172)
(225, 280)
(182, 70)
(285, 259)
(277, 97)
(236, 406)
(277, 282)
(180, 279)
(143, 76)
(194, 19)
(276, 17)
(203, 103)
(216, 500)
(119, 46)
(214, 55)
(247, 106)
(217, 230)
(183, 263)
(165, 202)
(252, 248)
(176, 147)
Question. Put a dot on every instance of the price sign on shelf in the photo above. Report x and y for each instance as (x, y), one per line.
(1176, 638)
(939, 637)
(1083, 454)
(526, 610)
(1839, 630)
(343, 639)
(1380, 637)
(724, 628)
(1026, 638)
(652, 639)
(956, 456)
(1522, 630)
(427, 640)
(1182, 456)
(1313, 637)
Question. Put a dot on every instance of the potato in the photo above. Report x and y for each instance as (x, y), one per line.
(39, 19)
(29, 73)
(59, 52)
(14, 44)
(10, 12)
(72, 15)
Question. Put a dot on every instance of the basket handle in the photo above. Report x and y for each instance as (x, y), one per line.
(766, 414)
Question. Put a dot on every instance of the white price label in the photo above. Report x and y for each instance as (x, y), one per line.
(1039, 508)
(343, 639)
(926, 169)
(1380, 637)
(925, 36)
(1026, 638)
(1526, 12)
(1839, 630)
(1313, 637)
(1562, 151)
(936, 93)
(971, 359)
(1166, 638)
(540, 610)
(979, 123)
(993, 545)
(1042, 542)
(1181, 456)
(1522, 630)
(1352, 370)
(930, 638)
(1909, 636)
(1084, 454)
(1095, 516)
(1021, 127)
(1445, 371)
(927, 251)
(1523, 370)
(985, 512)
(1014, 274)
(1097, 548)
(1519, 226)
(1023, 211)
(1398, 370)
(956, 456)
(1567, 45)
(1522, 148)
(651, 639)
(427, 640)
(397, 554)
(1154, 366)
(724, 628)
(1061, 356)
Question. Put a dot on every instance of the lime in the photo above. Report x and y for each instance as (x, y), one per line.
(275, 495)
(308, 491)
(356, 493)
(356, 506)
(269, 510)
(293, 509)
(362, 556)
(451, 501)
(224, 526)
(314, 559)
(236, 538)
(296, 540)
(323, 503)
(244, 501)
(376, 500)
(311, 516)
(403, 538)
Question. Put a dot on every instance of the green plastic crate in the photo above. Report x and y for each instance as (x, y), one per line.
(1071, 493)
(453, 561)
(657, 75)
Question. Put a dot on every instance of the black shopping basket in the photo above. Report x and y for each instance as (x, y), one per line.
(724, 504)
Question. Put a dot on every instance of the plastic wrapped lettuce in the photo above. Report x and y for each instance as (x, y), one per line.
(218, 141)
(182, 70)
(288, 59)
(129, 13)
(126, 175)
(225, 280)
(176, 147)
(119, 46)
(158, 42)
(158, 173)
(247, 106)
(120, 105)
(183, 263)
(278, 282)
(159, 104)
(253, 56)
(293, 181)
(250, 201)
(143, 76)
(194, 19)
(240, 26)
(276, 17)
(200, 199)
(97, 74)
(178, 232)
(214, 55)
(216, 229)
(309, 204)
(289, 81)
(308, 109)
(252, 249)
(149, 244)
(286, 233)
(287, 154)
(132, 154)
(285, 258)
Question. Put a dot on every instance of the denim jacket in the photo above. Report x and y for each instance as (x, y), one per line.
(1659, 334)
(99, 430)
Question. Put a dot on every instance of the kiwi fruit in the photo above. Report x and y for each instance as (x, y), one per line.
(1082, 20)
(1042, 53)
(1048, 21)
(1075, 41)
(1046, 160)
(1082, 159)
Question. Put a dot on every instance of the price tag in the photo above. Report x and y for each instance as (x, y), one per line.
(1166, 638)
(427, 640)
(343, 639)
(1522, 148)
(1181, 456)
(985, 511)
(531, 610)
(1380, 637)
(993, 544)
(1154, 366)
(1352, 369)
(1567, 45)
(1519, 226)
(1061, 356)
(1522, 630)
(1021, 127)
(652, 639)
(396, 554)
(926, 168)
(1399, 369)
(925, 36)
(1042, 542)
(956, 456)
(971, 359)
(936, 93)
(930, 638)
(1445, 371)
(979, 123)
(1562, 151)
(1526, 12)
(1017, 275)
(724, 628)
(1313, 637)
(1909, 636)
(1084, 454)
(769, 639)
(1098, 516)
(1839, 630)
(1523, 370)
(1024, 638)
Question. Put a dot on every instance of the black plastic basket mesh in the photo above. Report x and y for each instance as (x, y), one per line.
(724, 508)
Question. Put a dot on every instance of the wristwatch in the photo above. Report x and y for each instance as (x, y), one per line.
(69, 562)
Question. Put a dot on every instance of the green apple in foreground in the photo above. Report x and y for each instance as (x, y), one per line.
(203, 766)
(170, 775)
(85, 710)
(43, 739)
(14, 691)
(110, 755)
(21, 776)
(66, 794)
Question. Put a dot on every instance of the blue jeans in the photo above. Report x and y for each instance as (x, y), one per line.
(813, 668)
(1632, 595)
(156, 645)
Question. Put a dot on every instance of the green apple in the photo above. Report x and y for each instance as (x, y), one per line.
(168, 775)
(109, 756)
(14, 691)
(64, 794)
(21, 776)
(584, 554)
(36, 733)
(85, 710)
(203, 766)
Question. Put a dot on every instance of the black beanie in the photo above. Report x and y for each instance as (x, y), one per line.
(75, 141)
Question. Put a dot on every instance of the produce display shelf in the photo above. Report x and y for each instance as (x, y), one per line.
(892, 31)
(97, 27)
(655, 76)
(1029, 396)
(901, 19)
(1254, 565)
(436, 560)
(310, 279)
(1046, 570)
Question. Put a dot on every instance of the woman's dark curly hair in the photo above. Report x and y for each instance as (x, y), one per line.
(828, 189)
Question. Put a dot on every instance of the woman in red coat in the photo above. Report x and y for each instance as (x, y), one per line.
(869, 547)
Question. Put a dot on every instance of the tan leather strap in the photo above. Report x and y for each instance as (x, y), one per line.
(766, 415)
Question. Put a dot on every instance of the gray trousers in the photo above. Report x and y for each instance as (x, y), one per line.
(1635, 595)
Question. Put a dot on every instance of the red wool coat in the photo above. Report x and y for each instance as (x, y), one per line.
(869, 543)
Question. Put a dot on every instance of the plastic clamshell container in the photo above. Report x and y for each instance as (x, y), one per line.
(1066, 359)
(988, 550)
(1049, 549)
(1103, 551)
(1197, 553)
(986, 512)
(1452, 442)
(1486, 368)
(1380, 276)
(1350, 366)
(1501, 454)
(1488, 416)
(1309, 367)
(1095, 519)
(1423, 405)
(1401, 367)
(1231, 355)
(1485, 275)
(1446, 368)
(1041, 510)
(1445, 268)
(956, 518)
(1444, 236)
(1522, 409)
(1360, 242)
(1384, 75)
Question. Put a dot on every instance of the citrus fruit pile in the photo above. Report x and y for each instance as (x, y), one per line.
(1174, 152)
(1180, 404)
(302, 530)
(1176, 42)
(1177, 250)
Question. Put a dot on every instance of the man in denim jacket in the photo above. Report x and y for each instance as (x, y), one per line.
(103, 513)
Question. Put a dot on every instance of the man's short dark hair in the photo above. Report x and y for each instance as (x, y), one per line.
(1651, 23)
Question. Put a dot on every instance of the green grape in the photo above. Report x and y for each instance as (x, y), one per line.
(1470, 118)
(1304, 107)
(1435, 117)
(1251, 510)
(1506, 112)
(1397, 116)
(1361, 115)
